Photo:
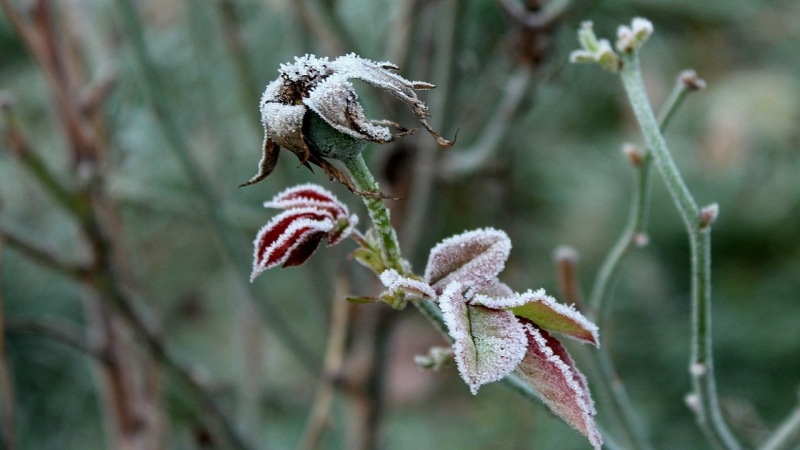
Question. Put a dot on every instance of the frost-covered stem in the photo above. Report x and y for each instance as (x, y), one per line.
(787, 436)
(177, 143)
(707, 408)
(378, 211)
(598, 301)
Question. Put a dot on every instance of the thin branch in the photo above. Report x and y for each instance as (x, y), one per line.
(426, 161)
(319, 417)
(599, 302)
(704, 401)
(787, 435)
(44, 257)
(271, 314)
(468, 160)
(317, 22)
(58, 331)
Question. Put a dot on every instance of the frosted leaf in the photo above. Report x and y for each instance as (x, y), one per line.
(290, 238)
(473, 258)
(494, 289)
(396, 282)
(550, 371)
(488, 344)
(545, 312)
(309, 195)
(284, 124)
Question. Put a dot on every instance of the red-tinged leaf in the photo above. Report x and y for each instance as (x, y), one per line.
(289, 238)
(309, 195)
(396, 282)
(546, 313)
(488, 344)
(550, 371)
(473, 258)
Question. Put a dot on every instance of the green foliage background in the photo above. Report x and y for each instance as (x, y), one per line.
(558, 177)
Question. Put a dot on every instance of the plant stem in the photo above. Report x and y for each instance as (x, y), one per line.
(599, 299)
(707, 408)
(378, 212)
(787, 436)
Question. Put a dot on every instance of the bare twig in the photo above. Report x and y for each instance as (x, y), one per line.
(58, 331)
(468, 160)
(177, 143)
(787, 435)
(319, 417)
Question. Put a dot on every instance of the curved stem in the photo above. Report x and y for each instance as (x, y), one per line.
(599, 299)
(378, 212)
(706, 407)
(787, 436)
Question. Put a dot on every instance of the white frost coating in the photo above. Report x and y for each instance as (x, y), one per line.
(335, 100)
(474, 257)
(582, 397)
(487, 345)
(303, 195)
(352, 222)
(283, 123)
(395, 282)
(314, 226)
(539, 296)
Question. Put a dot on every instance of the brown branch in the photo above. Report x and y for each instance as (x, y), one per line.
(318, 418)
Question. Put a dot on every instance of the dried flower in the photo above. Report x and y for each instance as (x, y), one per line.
(290, 238)
(496, 331)
(314, 88)
(631, 38)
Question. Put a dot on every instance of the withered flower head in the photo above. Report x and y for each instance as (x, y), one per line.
(323, 87)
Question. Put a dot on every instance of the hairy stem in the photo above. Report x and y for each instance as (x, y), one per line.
(787, 436)
(378, 211)
(706, 407)
(601, 291)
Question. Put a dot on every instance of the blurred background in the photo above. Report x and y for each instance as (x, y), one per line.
(128, 321)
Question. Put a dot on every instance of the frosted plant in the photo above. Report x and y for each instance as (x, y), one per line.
(290, 238)
(496, 331)
(315, 88)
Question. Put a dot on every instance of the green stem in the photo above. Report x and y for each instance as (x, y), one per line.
(706, 408)
(378, 212)
(599, 300)
(787, 436)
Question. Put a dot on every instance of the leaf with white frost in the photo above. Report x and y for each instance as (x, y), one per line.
(546, 313)
(473, 258)
(550, 371)
(488, 344)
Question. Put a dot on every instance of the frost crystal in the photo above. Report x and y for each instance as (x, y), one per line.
(313, 87)
(290, 238)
